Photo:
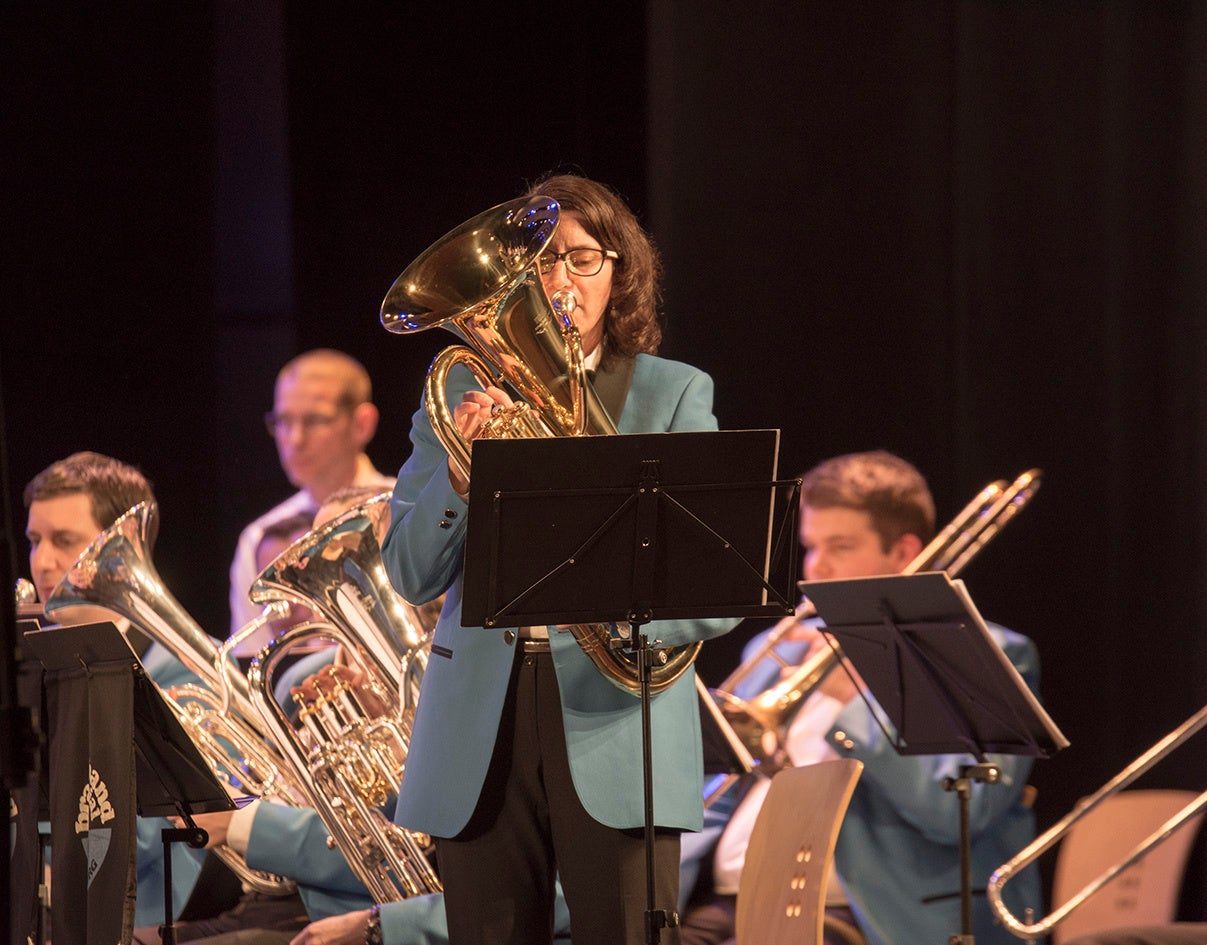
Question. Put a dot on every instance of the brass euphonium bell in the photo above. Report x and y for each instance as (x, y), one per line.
(480, 281)
(336, 571)
(115, 572)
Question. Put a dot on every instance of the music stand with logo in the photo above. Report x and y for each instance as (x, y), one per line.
(629, 528)
(925, 653)
(172, 776)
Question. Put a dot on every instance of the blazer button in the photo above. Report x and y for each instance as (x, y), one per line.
(450, 513)
(445, 523)
(509, 637)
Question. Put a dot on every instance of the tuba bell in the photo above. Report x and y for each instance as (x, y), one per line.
(480, 282)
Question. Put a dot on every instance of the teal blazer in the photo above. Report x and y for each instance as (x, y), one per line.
(457, 717)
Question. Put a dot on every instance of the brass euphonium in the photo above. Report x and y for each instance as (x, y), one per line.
(761, 724)
(480, 281)
(115, 572)
(352, 758)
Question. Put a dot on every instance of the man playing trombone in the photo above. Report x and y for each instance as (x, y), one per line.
(896, 877)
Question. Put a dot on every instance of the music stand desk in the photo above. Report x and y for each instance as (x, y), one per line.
(638, 527)
(173, 777)
(562, 529)
(925, 653)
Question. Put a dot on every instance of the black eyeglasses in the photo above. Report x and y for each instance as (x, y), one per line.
(580, 262)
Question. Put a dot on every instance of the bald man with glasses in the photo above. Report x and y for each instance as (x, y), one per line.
(321, 420)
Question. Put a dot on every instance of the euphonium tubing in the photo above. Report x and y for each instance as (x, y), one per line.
(351, 759)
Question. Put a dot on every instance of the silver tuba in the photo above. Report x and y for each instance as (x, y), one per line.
(480, 282)
(115, 572)
(351, 756)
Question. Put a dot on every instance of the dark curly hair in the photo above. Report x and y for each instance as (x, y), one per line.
(631, 325)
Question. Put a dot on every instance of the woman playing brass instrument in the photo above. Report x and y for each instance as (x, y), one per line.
(524, 760)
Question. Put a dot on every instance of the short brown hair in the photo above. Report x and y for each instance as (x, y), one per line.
(631, 325)
(355, 386)
(112, 486)
(890, 490)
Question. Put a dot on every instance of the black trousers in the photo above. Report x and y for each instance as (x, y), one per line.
(498, 872)
(712, 923)
(256, 920)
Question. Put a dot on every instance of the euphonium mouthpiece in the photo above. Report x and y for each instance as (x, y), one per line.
(564, 303)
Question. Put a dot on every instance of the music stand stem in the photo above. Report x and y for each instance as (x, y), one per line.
(988, 774)
(655, 919)
(195, 837)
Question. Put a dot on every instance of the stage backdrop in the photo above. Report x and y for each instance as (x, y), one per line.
(972, 234)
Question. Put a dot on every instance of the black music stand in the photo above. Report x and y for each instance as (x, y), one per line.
(634, 528)
(172, 776)
(28, 892)
(946, 687)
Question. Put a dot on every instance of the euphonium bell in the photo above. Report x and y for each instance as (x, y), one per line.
(336, 571)
(480, 281)
(115, 572)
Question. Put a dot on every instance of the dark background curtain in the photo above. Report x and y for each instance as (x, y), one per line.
(970, 233)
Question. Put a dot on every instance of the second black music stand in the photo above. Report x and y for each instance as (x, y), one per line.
(173, 778)
(641, 527)
(925, 653)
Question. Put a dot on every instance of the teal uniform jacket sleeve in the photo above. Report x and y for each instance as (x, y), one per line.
(292, 841)
(898, 849)
(897, 853)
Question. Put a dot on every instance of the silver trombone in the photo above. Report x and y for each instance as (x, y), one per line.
(1050, 837)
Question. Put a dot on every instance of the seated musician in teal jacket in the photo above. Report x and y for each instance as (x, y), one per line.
(525, 762)
(69, 503)
(896, 876)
